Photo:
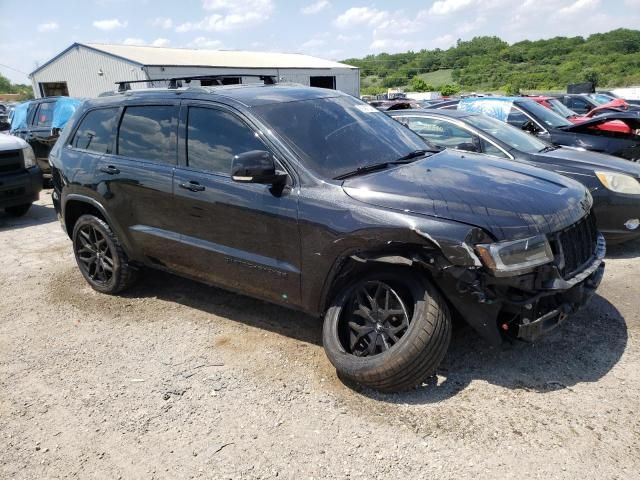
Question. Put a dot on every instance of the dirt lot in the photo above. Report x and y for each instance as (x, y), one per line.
(180, 380)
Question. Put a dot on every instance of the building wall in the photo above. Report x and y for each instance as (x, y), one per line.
(347, 80)
(80, 67)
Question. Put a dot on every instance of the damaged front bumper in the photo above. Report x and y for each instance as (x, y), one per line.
(525, 306)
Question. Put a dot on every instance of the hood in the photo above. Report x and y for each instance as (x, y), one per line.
(632, 120)
(509, 200)
(589, 161)
(9, 142)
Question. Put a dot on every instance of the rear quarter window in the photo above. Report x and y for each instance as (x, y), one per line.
(96, 131)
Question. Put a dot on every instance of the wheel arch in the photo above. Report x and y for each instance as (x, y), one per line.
(358, 262)
(75, 205)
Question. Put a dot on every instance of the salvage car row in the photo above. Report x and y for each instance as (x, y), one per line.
(314, 200)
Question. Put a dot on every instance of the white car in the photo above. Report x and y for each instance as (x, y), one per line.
(20, 177)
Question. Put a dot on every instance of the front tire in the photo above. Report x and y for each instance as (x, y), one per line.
(18, 211)
(388, 330)
(100, 257)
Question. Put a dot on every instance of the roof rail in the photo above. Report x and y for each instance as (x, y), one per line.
(176, 82)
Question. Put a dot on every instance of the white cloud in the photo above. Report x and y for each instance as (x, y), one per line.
(314, 43)
(445, 7)
(110, 24)
(230, 15)
(48, 27)
(205, 42)
(162, 22)
(133, 41)
(578, 6)
(390, 44)
(160, 42)
(315, 7)
(358, 16)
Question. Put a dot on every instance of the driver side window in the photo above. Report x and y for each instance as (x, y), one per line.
(521, 121)
(442, 133)
(214, 137)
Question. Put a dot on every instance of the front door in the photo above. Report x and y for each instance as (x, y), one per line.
(240, 236)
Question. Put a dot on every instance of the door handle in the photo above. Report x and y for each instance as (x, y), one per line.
(111, 170)
(192, 186)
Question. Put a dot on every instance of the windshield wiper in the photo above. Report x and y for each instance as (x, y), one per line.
(416, 154)
(408, 158)
(549, 148)
(366, 169)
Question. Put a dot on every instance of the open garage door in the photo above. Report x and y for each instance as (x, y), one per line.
(54, 89)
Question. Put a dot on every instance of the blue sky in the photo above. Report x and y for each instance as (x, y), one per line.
(334, 29)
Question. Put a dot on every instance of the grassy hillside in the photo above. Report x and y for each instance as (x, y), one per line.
(489, 63)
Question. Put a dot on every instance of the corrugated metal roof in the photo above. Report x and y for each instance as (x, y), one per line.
(146, 55)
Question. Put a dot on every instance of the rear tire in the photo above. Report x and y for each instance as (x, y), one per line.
(18, 211)
(100, 257)
(382, 350)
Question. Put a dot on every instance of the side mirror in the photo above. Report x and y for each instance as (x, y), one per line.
(256, 166)
(468, 147)
(530, 127)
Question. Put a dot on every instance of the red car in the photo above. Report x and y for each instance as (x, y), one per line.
(557, 106)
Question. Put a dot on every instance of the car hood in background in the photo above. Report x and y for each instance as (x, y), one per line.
(632, 120)
(508, 199)
(9, 142)
(589, 161)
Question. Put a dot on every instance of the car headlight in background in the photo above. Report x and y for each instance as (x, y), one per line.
(512, 257)
(28, 157)
(619, 182)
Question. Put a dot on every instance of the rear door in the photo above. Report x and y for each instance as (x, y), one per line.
(135, 179)
(237, 235)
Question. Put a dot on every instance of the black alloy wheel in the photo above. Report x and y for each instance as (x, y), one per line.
(375, 320)
(95, 257)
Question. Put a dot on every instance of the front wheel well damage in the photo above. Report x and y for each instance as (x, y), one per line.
(360, 263)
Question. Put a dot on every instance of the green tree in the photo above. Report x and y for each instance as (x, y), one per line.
(419, 84)
(511, 90)
(449, 89)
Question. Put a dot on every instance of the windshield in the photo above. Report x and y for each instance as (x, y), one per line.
(601, 98)
(338, 135)
(512, 136)
(547, 117)
(560, 108)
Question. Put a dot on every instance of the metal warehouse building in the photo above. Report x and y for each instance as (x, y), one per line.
(87, 69)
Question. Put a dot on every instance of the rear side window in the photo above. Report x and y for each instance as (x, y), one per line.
(214, 137)
(44, 115)
(149, 133)
(96, 131)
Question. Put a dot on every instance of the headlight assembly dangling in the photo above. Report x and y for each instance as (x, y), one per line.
(28, 157)
(515, 257)
(619, 182)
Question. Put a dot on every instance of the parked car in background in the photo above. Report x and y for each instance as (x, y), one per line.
(39, 122)
(528, 115)
(611, 95)
(20, 177)
(396, 104)
(561, 109)
(314, 200)
(4, 117)
(614, 183)
(585, 104)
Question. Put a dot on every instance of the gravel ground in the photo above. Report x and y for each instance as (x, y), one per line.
(179, 380)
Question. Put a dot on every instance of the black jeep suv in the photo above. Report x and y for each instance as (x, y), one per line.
(312, 199)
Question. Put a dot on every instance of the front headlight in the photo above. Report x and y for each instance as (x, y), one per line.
(514, 257)
(28, 157)
(619, 182)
